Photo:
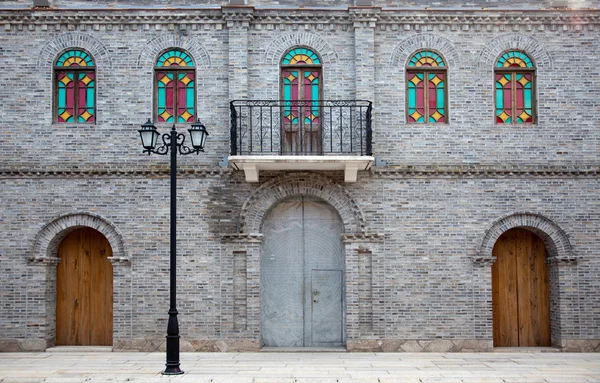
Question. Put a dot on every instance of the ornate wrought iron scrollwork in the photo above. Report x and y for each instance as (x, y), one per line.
(301, 127)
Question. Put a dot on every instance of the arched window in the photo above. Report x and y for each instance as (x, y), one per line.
(301, 89)
(175, 87)
(514, 77)
(426, 85)
(75, 88)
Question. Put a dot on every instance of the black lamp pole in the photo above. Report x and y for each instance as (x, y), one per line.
(173, 142)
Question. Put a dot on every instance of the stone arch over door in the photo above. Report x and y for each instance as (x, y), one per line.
(304, 183)
(245, 248)
(43, 261)
(559, 257)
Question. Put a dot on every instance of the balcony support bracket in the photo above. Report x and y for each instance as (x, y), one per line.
(252, 165)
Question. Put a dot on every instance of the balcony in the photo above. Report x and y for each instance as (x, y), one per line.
(301, 135)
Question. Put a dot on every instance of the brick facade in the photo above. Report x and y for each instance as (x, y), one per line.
(418, 228)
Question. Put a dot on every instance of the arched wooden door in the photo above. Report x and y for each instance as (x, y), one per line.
(302, 275)
(520, 291)
(84, 291)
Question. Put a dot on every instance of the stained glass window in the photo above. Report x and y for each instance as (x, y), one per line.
(175, 84)
(301, 80)
(426, 84)
(514, 79)
(75, 88)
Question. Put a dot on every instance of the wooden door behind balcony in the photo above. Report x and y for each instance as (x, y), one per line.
(520, 291)
(301, 122)
(84, 293)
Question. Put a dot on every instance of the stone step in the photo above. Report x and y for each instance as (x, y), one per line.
(526, 349)
(80, 349)
(303, 349)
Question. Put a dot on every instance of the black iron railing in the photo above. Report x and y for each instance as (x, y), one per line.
(301, 127)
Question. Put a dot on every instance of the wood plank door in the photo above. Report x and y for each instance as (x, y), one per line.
(520, 291)
(84, 292)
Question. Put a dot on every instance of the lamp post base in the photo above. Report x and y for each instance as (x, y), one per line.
(172, 370)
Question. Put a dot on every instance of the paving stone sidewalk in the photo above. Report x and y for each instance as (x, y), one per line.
(75, 367)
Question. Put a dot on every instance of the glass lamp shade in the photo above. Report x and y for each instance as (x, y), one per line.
(149, 135)
(198, 134)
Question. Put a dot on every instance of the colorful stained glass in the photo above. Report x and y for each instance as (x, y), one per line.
(437, 101)
(311, 93)
(416, 97)
(175, 87)
(426, 88)
(85, 99)
(503, 98)
(73, 58)
(301, 56)
(75, 88)
(174, 58)
(514, 59)
(514, 89)
(290, 94)
(426, 58)
(185, 97)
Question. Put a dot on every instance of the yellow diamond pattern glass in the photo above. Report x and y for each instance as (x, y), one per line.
(503, 81)
(523, 81)
(291, 78)
(186, 116)
(503, 116)
(436, 116)
(86, 80)
(416, 115)
(436, 80)
(85, 115)
(415, 80)
(524, 116)
(185, 79)
(165, 80)
(65, 115)
(165, 115)
(66, 80)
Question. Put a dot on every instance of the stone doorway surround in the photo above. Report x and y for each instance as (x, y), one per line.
(244, 249)
(562, 264)
(41, 280)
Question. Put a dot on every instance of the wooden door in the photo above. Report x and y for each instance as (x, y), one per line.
(301, 123)
(520, 291)
(84, 301)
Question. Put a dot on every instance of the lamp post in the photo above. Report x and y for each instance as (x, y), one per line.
(173, 142)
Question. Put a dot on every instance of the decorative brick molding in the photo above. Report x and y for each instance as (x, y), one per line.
(362, 237)
(554, 238)
(154, 47)
(54, 47)
(243, 237)
(49, 237)
(276, 48)
(294, 184)
(105, 171)
(534, 48)
(404, 49)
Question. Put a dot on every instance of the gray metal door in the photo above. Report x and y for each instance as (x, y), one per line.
(302, 275)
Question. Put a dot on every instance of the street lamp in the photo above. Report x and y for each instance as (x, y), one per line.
(173, 142)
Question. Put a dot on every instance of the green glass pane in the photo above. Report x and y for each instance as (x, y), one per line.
(527, 102)
(189, 99)
(440, 97)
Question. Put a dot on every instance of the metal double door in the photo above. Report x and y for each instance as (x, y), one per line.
(302, 276)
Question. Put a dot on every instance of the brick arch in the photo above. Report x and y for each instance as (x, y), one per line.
(46, 242)
(277, 47)
(407, 47)
(555, 239)
(534, 48)
(294, 184)
(154, 47)
(54, 47)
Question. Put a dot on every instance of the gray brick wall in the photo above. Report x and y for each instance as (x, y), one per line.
(417, 277)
